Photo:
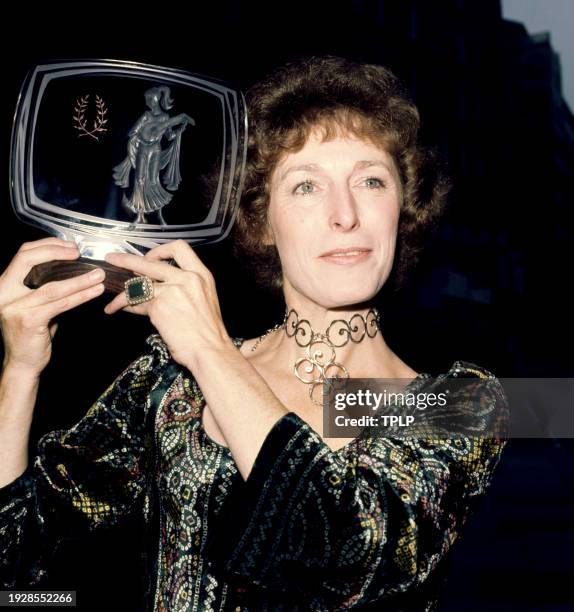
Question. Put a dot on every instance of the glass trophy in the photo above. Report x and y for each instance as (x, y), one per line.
(120, 156)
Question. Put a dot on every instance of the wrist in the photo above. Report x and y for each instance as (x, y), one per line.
(213, 356)
(18, 372)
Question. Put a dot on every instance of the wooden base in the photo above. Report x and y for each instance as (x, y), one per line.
(60, 270)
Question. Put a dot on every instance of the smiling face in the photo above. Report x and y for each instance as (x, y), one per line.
(331, 197)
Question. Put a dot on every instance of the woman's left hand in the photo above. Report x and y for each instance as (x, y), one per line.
(185, 308)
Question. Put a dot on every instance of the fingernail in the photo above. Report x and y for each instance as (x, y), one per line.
(95, 274)
(70, 245)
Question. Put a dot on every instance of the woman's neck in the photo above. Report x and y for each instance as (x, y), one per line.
(349, 336)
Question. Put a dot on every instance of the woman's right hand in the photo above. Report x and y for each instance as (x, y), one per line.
(26, 314)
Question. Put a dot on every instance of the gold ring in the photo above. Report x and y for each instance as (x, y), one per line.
(138, 289)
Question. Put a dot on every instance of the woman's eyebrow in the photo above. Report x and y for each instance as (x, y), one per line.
(304, 167)
(360, 165)
(367, 163)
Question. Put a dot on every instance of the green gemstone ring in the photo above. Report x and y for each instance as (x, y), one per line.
(138, 290)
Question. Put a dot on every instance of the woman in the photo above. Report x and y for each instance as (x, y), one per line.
(256, 509)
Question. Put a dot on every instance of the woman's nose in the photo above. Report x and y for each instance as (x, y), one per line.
(343, 213)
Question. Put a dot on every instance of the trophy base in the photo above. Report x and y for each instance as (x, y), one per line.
(60, 270)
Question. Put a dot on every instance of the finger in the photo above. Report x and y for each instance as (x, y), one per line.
(26, 246)
(184, 255)
(113, 307)
(57, 290)
(151, 256)
(120, 302)
(26, 259)
(53, 309)
(142, 266)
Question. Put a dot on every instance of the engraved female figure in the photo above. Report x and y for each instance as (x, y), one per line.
(147, 158)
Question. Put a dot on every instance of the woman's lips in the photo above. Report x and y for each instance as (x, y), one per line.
(346, 257)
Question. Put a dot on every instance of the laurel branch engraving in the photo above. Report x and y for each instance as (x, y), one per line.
(80, 121)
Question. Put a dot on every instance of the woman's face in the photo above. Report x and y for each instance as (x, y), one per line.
(151, 100)
(342, 194)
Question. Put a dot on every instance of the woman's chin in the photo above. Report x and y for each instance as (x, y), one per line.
(336, 294)
(344, 299)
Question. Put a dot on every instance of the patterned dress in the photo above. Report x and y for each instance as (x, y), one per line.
(366, 527)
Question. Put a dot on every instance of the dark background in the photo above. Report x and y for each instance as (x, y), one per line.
(493, 285)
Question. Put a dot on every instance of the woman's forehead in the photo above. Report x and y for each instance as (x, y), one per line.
(318, 147)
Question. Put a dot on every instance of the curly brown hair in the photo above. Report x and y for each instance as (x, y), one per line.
(334, 93)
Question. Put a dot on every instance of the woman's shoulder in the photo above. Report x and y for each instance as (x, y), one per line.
(466, 375)
(475, 398)
(469, 369)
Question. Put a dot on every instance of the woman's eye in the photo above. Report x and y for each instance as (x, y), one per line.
(374, 183)
(304, 188)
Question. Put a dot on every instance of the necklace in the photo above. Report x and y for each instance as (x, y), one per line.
(319, 364)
